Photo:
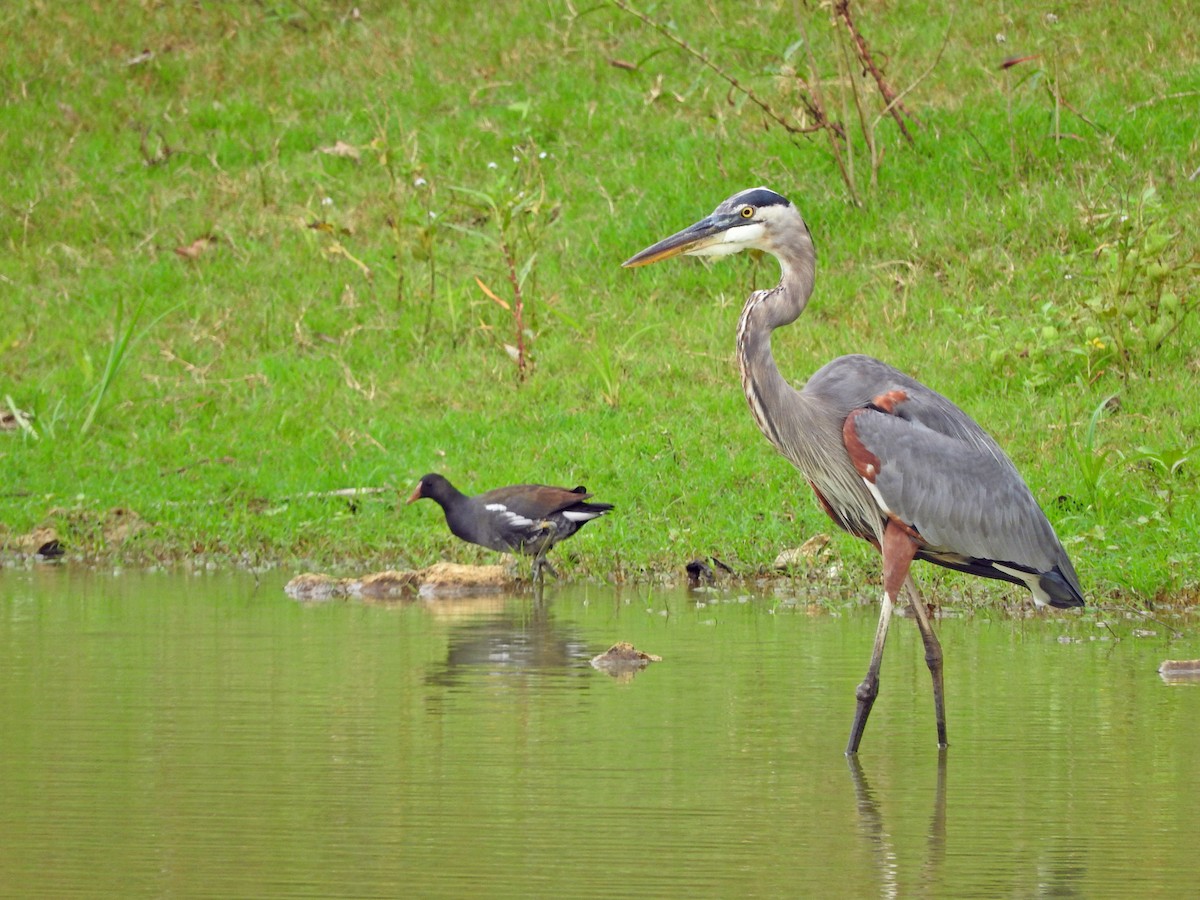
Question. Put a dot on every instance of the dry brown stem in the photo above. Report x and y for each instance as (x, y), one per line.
(894, 105)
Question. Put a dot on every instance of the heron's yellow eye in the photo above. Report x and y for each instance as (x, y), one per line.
(747, 212)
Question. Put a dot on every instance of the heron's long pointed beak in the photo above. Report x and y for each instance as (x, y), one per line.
(708, 230)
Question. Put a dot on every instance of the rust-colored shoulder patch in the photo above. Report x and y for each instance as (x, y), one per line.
(888, 402)
(865, 462)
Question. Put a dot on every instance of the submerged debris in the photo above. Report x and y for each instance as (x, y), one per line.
(1175, 670)
(623, 660)
(440, 578)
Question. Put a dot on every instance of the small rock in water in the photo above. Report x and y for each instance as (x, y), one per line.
(623, 657)
(452, 577)
(1177, 670)
(386, 585)
(315, 586)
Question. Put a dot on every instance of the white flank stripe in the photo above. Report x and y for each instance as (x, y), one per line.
(878, 497)
(1032, 581)
(580, 515)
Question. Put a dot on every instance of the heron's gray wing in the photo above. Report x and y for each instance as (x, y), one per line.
(940, 473)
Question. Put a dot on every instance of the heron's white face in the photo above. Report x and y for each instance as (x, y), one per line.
(735, 240)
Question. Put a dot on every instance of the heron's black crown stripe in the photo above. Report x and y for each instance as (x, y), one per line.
(761, 197)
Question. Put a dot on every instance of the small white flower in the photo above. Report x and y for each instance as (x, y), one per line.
(432, 214)
(327, 201)
(516, 159)
(1068, 276)
(1051, 18)
(491, 165)
(543, 155)
(419, 182)
(1000, 39)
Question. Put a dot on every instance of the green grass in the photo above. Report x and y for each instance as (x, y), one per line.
(332, 333)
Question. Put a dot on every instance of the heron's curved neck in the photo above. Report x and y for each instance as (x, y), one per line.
(764, 386)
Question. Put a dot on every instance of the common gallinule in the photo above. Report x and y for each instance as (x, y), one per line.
(890, 460)
(524, 518)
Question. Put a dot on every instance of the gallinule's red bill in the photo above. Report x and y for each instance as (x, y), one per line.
(523, 518)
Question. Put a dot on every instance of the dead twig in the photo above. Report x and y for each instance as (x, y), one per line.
(1153, 101)
(895, 107)
(813, 113)
(837, 137)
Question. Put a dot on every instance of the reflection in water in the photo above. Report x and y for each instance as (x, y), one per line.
(937, 824)
(1061, 874)
(503, 635)
(880, 841)
(178, 736)
(1054, 871)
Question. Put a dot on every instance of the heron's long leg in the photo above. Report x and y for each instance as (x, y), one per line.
(898, 552)
(933, 656)
(869, 689)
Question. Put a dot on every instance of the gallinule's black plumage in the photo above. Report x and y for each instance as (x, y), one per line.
(524, 518)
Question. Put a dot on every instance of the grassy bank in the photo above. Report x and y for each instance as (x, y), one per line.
(248, 251)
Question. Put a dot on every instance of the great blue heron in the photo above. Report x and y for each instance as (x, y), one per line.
(524, 518)
(890, 460)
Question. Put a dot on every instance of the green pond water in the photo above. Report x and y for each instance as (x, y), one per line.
(176, 735)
